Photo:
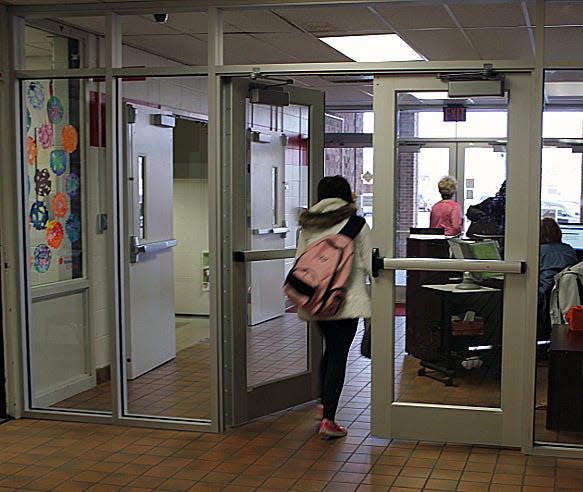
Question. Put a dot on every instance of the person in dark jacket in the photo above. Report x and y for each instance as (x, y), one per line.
(488, 216)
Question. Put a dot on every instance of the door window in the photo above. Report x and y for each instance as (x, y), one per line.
(278, 185)
(452, 336)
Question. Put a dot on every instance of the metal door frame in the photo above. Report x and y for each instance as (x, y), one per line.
(503, 426)
(242, 403)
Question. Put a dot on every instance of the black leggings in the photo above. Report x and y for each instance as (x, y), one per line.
(338, 336)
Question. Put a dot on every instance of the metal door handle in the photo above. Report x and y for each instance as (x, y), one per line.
(137, 248)
(437, 264)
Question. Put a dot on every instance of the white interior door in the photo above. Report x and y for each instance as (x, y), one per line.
(453, 415)
(151, 338)
(268, 230)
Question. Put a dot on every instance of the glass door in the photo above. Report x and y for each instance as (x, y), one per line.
(452, 376)
(275, 137)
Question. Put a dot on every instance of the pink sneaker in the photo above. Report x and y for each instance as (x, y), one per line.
(319, 411)
(329, 429)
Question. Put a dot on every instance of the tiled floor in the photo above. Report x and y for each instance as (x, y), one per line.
(277, 348)
(278, 452)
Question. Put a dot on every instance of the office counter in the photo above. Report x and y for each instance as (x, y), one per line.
(565, 381)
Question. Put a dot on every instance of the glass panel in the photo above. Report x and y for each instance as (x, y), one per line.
(68, 334)
(276, 338)
(485, 172)
(165, 39)
(278, 162)
(167, 341)
(432, 164)
(47, 50)
(557, 416)
(351, 155)
(141, 197)
(452, 330)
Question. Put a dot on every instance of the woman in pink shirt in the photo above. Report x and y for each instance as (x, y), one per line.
(447, 212)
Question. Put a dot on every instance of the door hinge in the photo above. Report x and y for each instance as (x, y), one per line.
(131, 113)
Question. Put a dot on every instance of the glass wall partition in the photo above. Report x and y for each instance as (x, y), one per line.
(67, 336)
(557, 405)
(167, 342)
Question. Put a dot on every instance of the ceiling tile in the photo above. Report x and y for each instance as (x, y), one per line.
(144, 25)
(335, 20)
(502, 44)
(416, 17)
(563, 13)
(440, 45)
(255, 21)
(563, 43)
(178, 47)
(278, 48)
(498, 14)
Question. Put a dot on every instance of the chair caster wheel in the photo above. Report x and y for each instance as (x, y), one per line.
(421, 371)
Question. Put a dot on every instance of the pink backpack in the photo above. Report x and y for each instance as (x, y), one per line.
(316, 281)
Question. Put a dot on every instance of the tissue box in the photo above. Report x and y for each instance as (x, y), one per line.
(467, 328)
(574, 317)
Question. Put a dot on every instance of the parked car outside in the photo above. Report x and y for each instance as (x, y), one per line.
(563, 212)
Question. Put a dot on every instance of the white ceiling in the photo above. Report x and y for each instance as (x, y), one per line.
(438, 30)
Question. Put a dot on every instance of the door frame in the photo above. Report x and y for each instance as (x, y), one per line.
(242, 403)
(504, 426)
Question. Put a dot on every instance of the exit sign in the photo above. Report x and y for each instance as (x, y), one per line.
(454, 112)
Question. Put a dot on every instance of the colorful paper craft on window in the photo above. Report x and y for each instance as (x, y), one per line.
(32, 150)
(58, 161)
(55, 234)
(73, 228)
(36, 94)
(45, 135)
(54, 109)
(72, 184)
(42, 258)
(60, 205)
(70, 138)
(42, 182)
(39, 215)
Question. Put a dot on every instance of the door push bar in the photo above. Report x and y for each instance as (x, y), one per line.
(438, 264)
(270, 230)
(263, 255)
(137, 249)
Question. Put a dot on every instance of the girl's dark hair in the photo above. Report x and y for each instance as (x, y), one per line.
(550, 231)
(334, 187)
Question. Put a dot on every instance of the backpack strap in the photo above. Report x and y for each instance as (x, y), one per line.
(353, 226)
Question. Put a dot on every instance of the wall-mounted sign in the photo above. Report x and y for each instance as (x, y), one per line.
(454, 112)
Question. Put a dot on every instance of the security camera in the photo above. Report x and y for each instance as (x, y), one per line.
(161, 18)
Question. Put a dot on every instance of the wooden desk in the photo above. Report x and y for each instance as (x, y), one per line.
(565, 382)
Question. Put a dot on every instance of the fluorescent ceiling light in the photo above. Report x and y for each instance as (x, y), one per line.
(378, 47)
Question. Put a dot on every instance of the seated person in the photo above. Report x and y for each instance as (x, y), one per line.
(446, 213)
(555, 256)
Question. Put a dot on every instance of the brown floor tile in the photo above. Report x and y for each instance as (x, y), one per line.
(278, 452)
